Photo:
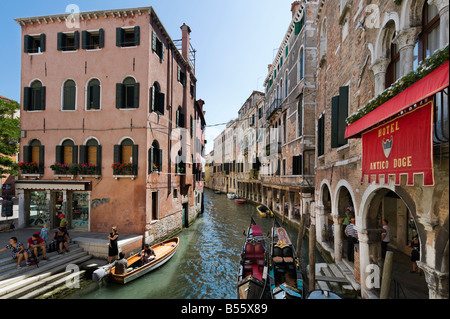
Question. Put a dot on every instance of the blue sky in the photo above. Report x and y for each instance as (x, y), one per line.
(235, 41)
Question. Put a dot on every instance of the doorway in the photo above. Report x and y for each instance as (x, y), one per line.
(185, 215)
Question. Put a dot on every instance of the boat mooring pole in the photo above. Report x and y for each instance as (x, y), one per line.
(312, 257)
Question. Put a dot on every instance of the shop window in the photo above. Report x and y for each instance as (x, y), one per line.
(34, 43)
(34, 97)
(38, 209)
(91, 40)
(156, 99)
(80, 210)
(93, 95)
(69, 95)
(128, 37)
(339, 114)
(68, 41)
(127, 94)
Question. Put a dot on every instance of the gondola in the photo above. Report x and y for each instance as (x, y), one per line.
(164, 251)
(285, 277)
(264, 211)
(253, 267)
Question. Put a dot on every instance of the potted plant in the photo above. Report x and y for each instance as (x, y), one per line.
(87, 168)
(155, 168)
(60, 168)
(29, 167)
(122, 168)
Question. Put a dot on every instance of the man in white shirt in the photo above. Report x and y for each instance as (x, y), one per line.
(384, 238)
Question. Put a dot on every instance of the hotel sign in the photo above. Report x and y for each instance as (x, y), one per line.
(402, 146)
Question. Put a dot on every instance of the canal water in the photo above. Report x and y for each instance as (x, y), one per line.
(206, 263)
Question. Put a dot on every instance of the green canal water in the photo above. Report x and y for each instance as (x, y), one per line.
(206, 263)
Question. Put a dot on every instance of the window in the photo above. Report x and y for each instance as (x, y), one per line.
(180, 163)
(155, 158)
(93, 95)
(181, 76)
(323, 39)
(128, 37)
(393, 69)
(297, 165)
(69, 95)
(260, 113)
(428, 40)
(301, 65)
(34, 152)
(155, 205)
(321, 135)
(91, 40)
(127, 94)
(157, 46)
(300, 116)
(127, 153)
(180, 117)
(67, 153)
(91, 154)
(68, 41)
(157, 99)
(339, 113)
(34, 97)
(300, 24)
(34, 43)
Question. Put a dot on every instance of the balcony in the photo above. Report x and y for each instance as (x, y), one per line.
(275, 106)
(273, 148)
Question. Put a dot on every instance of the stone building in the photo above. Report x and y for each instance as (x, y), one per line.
(106, 96)
(290, 102)
(369, 52)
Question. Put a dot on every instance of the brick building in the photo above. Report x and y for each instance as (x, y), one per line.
(106, 96)
(368, 52)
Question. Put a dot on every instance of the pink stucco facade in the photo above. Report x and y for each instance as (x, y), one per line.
(127, 200)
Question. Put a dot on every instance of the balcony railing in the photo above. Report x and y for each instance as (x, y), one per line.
(276, 104)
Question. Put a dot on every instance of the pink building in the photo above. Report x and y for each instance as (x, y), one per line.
(105, 95)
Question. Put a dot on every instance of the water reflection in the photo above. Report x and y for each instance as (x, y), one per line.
(207, 261)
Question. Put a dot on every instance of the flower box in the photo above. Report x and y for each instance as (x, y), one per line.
(29, 167)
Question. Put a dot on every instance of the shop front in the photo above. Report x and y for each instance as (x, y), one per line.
(46, 203)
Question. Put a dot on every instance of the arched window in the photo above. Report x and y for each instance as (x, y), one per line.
(93, 95)
(428, 40)
(156, 99)
(301, 64)
(33, 153)
(155, 157)
(69, 95)
(127, 153)
(127, 94)
(393, 72)
(91, 157)
(66, 153)
(34, 97)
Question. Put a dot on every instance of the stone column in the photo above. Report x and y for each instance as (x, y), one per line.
(437, 281)
(21, 221)
(442, 6)
(338, 240)
(291, 205)
(364, 262)
(379, 70)
(321, 221)
(282, 202)
(405, 42)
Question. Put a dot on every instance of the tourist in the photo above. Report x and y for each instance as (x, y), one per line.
(149, 254)
(36, 243)
(384, 238)
(352, 235)
(61, 237)
(113, 249)
(121, 265)
(63, 224)
(415, 255)
(44, 234)
(18, 250)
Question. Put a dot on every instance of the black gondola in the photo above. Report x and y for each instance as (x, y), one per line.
(253, 267)
(286, 280)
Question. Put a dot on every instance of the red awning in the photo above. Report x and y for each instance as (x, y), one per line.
(429, 85)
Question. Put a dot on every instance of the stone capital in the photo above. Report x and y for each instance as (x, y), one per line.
(442, 5)
(437, 281)
(429, 221)
(407, 37)
(380, 65)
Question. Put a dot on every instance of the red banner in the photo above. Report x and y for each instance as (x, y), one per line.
(402, 146)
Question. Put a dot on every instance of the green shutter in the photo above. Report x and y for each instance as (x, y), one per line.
(59, 154)
(26, 98)
(43, 39)
(334, 121)
(117, 156)
(119, 95)
(85, 39)
(99, 159)
(154, 41)
(150, 166)
(75, 154)
(101, 38)
(26, 43)
(42, 99)
(83, 154)
(76, 39)
(298, 26)
(26, 154)
(95, 97)
(343, 114)
(61, 41)
(119, 37)
(136, 95)
(287, 51)
(160, 160)
(135, 159)
(160, 102)
(137, 35)
(41, 159)
(152, 99)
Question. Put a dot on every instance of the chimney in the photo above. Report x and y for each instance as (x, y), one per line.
(294, 7)
(185, 47)
(269, 67)
(200, 104)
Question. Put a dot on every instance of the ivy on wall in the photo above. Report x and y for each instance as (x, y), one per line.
(428, 65)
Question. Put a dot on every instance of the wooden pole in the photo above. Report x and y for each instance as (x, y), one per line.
(312, 257)
(387, 275)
